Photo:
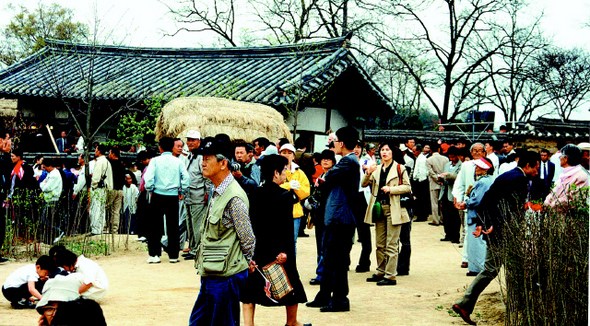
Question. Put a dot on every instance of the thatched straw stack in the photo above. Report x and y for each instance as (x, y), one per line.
(211, 116)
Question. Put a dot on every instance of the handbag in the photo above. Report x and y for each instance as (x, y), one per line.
(406, 199)
(279, 282)
(377, 213)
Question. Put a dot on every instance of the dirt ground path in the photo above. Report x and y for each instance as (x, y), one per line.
(164, 294)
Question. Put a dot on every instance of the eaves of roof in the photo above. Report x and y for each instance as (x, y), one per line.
(271, 75)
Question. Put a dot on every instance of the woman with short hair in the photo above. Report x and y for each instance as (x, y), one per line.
(389, 180)
(271, 215)
(572, 178)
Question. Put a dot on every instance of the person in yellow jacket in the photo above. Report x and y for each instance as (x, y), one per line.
(298, 182)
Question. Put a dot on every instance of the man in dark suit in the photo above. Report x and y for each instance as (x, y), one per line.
(62, 143)
(504, 200)
(541, 185)
(341, 184)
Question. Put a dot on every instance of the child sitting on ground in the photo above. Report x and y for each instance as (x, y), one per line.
(27, 282)
(93, 280)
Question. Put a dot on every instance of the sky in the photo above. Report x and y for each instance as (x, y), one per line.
(143, 23)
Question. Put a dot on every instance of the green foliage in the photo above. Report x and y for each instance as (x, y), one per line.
(28, 29)
(88, 248)
(452, 313)
(136, 128)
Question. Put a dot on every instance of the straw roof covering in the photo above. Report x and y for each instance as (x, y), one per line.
(211, 116)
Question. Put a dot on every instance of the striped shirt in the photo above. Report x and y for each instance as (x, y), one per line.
(236, 215)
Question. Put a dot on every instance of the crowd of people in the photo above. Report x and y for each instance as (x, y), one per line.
(241, 207)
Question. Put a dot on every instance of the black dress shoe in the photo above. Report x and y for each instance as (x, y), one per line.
(435, 224)
(362, 269)
(387, 281)
(455, 241)
(303, 324)
(445, 239)
(375, 278)
(463, 314)
(404, 273)
(3, 260)
(472, 273)
(333, 308)
(316, 304)
(190, 257)
(315, 281)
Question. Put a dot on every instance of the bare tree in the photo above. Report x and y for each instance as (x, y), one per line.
(287, 21)
(455, 52)
(217, 16)
(512, 90)
(565, 76)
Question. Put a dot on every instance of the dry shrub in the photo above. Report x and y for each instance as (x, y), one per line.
(546, 265)
(33, 227)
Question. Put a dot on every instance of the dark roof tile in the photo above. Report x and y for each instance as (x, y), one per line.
(124, 73)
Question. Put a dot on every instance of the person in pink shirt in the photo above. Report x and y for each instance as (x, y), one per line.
(573, 175)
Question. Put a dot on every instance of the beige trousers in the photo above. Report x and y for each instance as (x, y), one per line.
(436, 217)
(114, 203)
(387, 239)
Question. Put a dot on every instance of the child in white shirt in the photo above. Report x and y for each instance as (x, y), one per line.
(26, 283)
(91, 277)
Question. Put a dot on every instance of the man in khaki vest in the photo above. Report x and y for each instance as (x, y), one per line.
(227, 243)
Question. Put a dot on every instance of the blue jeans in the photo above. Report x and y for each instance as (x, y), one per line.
(296, 225)
(319, 237)
(218, 302)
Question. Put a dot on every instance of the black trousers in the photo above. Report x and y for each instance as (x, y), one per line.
(143, 211)
(403, 259)
(422, 207)
(21, 292)
(2, 223)
(452, 220)
(363, 230)
(337, 246)
(159, 206)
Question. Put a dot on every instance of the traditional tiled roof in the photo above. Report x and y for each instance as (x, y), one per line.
(550, 129)
(541, 128)
(430, 136)
(268, 75)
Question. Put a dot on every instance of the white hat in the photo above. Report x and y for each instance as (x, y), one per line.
(270, 150)
(584, 146)
(403, 148)
(60, 289)
(483, 164)
(193, 134)
(289, 147)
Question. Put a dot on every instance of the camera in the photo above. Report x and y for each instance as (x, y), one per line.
(234, 167)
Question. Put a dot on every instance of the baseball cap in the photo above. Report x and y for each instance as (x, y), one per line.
(287, 147)
(212, 146)
(193, 134)
(483, 164)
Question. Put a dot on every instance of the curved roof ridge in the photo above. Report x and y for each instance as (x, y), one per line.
(330, 45)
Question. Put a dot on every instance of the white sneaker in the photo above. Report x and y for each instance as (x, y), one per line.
(153, 260)
(173, 261)
(141, 239)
